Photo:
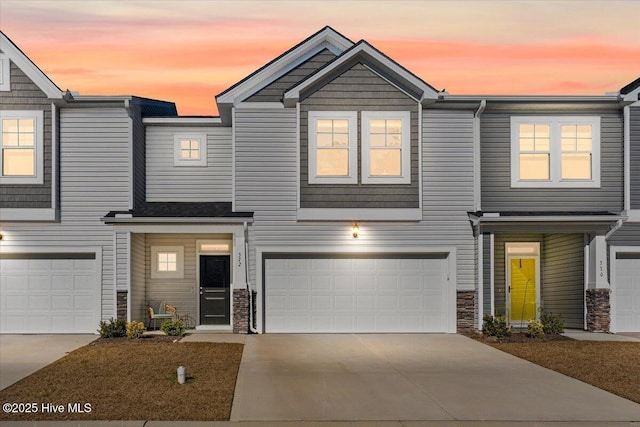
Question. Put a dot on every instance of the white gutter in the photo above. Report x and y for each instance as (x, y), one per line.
(246, 267)
(477, 189)
(627, 157)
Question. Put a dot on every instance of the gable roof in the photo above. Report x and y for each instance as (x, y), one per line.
(381, 64)
(631, 92)
(27, 66)
(326, 38)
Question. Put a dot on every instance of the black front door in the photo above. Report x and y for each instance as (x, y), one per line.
(215, 279)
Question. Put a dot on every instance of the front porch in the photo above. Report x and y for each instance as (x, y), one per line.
(196, 263)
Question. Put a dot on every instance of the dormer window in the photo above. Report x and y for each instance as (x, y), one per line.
(190, 150)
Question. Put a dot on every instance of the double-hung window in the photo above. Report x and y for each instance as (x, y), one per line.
(190, 150)
(555, 151)
(333, 147)
(22, 146)
(386, 148)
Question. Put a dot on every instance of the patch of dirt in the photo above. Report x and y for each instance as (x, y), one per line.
(124, 379)
(142, 339)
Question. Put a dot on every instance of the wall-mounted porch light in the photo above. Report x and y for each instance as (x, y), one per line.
(356, 230)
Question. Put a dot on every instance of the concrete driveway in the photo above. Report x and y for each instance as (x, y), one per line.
(427, 377)
(22, 355)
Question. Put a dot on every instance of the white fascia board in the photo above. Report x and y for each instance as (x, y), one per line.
(553, 218)
(355, 214)
(632, 96)
(176, 220)
(29, 68)
(199, 121)
(259, 105)
(293, 94)
(235, 229)
(326, 39)
(20, 214)
(532, 98)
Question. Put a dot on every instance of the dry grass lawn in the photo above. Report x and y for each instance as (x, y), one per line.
(134, 380)
(609, 365)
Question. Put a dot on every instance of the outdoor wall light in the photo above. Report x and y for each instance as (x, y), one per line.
(356, 230)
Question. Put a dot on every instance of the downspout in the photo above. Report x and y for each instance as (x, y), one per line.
(627, 157)
(614, 229)
(476, 157)
(246, 269)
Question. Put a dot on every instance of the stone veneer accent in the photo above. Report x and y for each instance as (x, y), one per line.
(466, 305)
(121, 304)
(240, 311)
(598, 310)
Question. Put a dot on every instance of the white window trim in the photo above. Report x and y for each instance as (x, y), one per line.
(555, 152)
(178, 274)
(178, 161)
(405, 117)
(38, 178)
(352, 117)
(5, 70)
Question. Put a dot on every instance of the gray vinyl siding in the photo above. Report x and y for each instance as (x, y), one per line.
(139, 159)
(500, 281)
(635, 157)
(358, 89)
(498, 196)
(266, 184)
(137, 293)
(486, 274)
(26, 95)
(168, 183)
(94, 179)
(274, 91)
(628, 235)
(562, 291)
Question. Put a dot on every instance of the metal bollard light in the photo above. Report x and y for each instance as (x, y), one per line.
(182, 374)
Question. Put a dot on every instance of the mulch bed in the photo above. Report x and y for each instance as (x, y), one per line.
(123, 379)
(520, 337)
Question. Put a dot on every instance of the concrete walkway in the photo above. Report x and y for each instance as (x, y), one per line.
(428, 377)
(592, 336)
(22, 355)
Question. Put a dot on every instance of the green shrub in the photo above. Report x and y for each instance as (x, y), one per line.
(552, 324)
(135, 329)
(115, 328)
(173, 327)
(495, 326)
(535, 329)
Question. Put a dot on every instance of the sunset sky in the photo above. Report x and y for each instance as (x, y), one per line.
(189, 51)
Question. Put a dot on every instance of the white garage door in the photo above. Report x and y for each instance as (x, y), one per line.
(357, 294)
(49, 293)
(627, 292)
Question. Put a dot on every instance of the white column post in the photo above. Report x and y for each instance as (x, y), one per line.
(598, 274)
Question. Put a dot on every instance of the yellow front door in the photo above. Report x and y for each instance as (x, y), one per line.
(523, 289)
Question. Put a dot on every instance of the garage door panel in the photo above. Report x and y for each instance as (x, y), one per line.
(356, 294)
(627, 292)
(49, 295)
(39, 282)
